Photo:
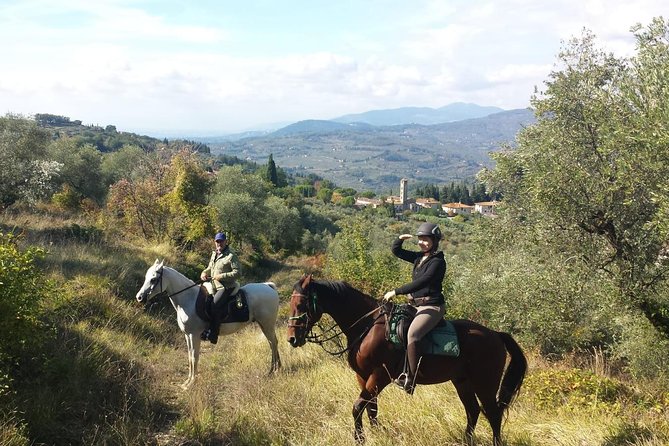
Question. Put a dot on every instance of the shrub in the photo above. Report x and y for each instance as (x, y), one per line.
(21, 288)
(355, 256)
(574, 390)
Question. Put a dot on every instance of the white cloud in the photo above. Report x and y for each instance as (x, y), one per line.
(118, 62)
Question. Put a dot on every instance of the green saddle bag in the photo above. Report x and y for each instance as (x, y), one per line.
(441, 340)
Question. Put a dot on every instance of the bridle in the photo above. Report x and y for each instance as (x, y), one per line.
(303, 322)
(154, 282)
(159, 279)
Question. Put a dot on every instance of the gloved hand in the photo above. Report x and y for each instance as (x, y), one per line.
(405, 236)
(389, 295)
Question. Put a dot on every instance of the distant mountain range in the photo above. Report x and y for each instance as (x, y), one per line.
(457, 111)
(365, 156)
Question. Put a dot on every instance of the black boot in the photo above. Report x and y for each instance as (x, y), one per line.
(413, 356)
(214, 327)
(219, 313)
(209, 309)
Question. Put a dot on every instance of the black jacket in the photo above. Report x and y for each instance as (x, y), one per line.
(427, 277)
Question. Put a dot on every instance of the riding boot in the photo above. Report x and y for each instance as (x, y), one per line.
(219, 313)
(413, 357)
(214, 327)
(209, 309)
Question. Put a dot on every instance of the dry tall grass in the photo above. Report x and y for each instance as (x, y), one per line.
(113, 374)
(309, 403)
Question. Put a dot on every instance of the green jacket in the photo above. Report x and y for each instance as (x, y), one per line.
(224, 269)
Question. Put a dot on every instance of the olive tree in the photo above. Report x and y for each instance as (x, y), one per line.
(25, 170)
(591, 174)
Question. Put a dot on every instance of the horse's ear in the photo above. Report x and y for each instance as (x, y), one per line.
(162, 262)
(307, 279)
(156, 262)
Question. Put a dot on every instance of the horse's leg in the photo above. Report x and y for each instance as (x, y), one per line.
(193, 344)
(195, 339)
(372, 405)
(270, 333)
(472, 408)
(486, 381)
(189, 346)
(369, 393)
(494, 415)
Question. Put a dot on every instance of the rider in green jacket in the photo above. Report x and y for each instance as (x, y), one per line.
(223, 271)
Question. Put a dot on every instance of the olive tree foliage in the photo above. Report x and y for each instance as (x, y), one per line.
(282, 226)
(589, 178)
(512, 280)
(125, 163)
(360, 255)
(239, 198)
(81, 169)
(250, 214)
(26, 172)
(233, 179)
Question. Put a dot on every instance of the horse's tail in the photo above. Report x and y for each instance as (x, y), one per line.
(271, 285)
(514, 374)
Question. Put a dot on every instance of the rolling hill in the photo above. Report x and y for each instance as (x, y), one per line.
(367, 157)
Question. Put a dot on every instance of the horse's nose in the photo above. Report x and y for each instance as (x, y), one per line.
(292, 341)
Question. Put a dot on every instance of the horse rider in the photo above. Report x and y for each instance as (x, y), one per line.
(223, 271)
(423, 292)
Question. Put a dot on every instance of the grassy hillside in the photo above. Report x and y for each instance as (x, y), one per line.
(109, 372)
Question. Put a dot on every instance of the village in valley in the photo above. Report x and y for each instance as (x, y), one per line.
(402, 203)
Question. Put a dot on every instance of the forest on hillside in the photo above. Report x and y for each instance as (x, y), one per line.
(574, 267)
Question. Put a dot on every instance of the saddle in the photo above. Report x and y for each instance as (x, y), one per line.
(441, 340)
(236, 309)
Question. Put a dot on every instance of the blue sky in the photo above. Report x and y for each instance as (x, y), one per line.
(188, 67)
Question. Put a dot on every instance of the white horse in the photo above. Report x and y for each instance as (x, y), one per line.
(262, 299)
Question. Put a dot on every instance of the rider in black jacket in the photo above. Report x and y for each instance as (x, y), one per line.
(424, 291)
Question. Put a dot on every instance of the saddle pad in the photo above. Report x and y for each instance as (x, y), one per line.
(442, 340)
(238, 309)
(201, 304)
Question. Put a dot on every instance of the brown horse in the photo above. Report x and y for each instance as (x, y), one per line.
(478, 373)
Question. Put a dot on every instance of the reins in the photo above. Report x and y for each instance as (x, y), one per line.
(314, 338)
(320, 339)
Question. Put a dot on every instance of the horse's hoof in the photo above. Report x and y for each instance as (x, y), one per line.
(359, 437)
(187, 384)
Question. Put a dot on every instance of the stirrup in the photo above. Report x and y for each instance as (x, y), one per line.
(402, 380)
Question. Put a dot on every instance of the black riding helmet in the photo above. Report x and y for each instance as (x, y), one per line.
(430, 230)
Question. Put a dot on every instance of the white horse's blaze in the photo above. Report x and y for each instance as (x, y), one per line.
(262, 299)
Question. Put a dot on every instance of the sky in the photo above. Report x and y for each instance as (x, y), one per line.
(214, 67)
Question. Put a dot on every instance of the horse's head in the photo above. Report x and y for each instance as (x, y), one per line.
(304, 311)
(153, 282)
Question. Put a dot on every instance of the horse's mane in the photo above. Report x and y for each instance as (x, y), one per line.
(342, 288)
